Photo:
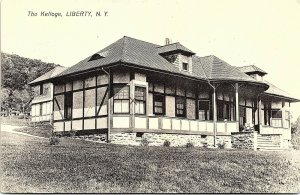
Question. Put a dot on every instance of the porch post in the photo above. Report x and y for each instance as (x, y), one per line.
(259, 113)
(237, 113)
(215, 115)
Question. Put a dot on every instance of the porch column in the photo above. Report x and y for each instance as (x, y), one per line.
(237, 113)
(259, 113)
(215, 114)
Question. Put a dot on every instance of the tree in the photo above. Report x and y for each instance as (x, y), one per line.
(296, 134)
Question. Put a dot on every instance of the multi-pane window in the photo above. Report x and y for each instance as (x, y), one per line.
(121, 99)
(68, 105)
(180, 107)
(203, 109)
(276, 118)
(287, 119)
(159, 104)
(140, 100)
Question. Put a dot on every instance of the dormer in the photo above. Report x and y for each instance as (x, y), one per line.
(98, 56)
(178, 55)
(254, 72)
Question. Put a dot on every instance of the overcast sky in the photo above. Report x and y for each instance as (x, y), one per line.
(260, 32)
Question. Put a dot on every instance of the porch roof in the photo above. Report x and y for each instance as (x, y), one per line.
(147, 55)
(275, 91)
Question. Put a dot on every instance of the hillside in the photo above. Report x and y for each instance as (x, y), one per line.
(16, 73)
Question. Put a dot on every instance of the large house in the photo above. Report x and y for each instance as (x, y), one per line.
(41, 105)
(134, 90)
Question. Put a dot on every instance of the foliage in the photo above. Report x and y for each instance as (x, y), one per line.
(144, 142)
(53, 140)
(296, 134)
(16, 73)
(221, 145)
(167, 143)
(189, 145)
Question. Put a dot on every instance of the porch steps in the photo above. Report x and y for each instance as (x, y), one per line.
(265, 143)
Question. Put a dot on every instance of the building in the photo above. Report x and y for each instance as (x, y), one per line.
(41, 105)
(133, 90)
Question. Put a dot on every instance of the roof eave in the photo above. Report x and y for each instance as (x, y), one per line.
(283, 97)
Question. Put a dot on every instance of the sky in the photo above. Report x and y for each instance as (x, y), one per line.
(265, 33)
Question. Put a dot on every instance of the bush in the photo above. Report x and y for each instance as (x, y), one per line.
(144, 142)
(167, 143)
(189, 145)
(221, 145)
(54, 140)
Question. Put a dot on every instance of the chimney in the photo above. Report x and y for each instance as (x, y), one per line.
(168, 41)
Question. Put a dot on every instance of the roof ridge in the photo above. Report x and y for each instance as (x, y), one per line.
(140, 40)
(169, 44)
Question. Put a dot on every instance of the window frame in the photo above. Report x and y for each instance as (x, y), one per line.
(177, 98)
(185, 64)
(68, 105)
(163, 107)
(206, 112)
(121, 99)
(143, 101)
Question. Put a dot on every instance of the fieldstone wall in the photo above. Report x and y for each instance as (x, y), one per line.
(244, 140)
(176, 140)
(101, 138)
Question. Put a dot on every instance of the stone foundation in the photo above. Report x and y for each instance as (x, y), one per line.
(101, 138)
(176, 140)
(244, 140)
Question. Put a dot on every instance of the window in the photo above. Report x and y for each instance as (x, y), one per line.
(68, 105)
(41, 89)
(276, 114)
(276, 118)
(159, 104)
(223, 110)
(203, 109)
(180, 107)
(140, 100)
(184, 66)
(287, 119)
(121, 99)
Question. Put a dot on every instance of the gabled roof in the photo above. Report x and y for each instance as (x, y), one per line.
(174, 47)
(252, 69)
(50, 74)
(275, 91)
(147, 55)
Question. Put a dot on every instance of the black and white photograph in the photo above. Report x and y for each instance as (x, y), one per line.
(150, 96)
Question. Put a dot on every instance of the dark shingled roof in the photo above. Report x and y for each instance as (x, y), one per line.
(50, 74)
(252, 68)
(147, 55)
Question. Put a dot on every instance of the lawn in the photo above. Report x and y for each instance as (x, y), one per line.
(30, 164)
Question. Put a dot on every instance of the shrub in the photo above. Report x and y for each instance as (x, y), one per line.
(189, 145)
(54, 140)
(221, 145)
(167, 143)
(144, 142)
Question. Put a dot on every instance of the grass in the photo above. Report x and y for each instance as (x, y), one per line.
(31, 165)
(14, 120)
